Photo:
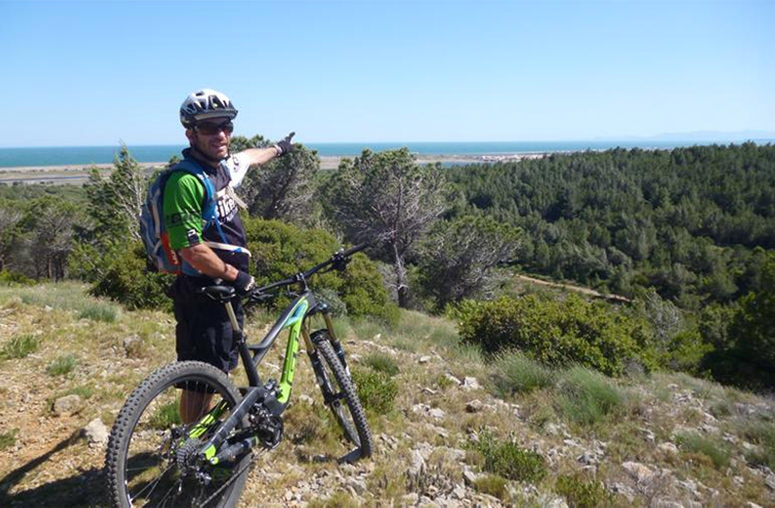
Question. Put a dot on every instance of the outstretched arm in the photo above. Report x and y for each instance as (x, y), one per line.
(258, 156)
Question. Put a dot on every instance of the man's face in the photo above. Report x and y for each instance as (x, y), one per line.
(212, 137)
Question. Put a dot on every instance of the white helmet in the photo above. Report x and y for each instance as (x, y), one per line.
(204, 104)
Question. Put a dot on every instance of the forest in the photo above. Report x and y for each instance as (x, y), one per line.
(686, 235)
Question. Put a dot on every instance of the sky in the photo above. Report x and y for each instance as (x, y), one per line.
(87, 73)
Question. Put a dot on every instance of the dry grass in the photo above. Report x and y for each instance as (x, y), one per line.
(560, 415)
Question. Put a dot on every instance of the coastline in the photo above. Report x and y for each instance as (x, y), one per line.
(77, 174)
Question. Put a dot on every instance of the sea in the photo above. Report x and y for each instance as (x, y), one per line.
(88, 155)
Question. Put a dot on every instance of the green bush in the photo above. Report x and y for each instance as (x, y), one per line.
(580, 493)
(714, 448)
(514, 373)
(19, 347)
(493, 485)
(280, 250)
(11, 278)
(761, 433)
(558, 332)
(382, 362)
(8, 438)
(508, 460)
(62, 365)
(587, 397)
(376, 390)
(128, 281)
(100, 312)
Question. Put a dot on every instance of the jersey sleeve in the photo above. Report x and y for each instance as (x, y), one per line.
(236, 169)
(182, 205)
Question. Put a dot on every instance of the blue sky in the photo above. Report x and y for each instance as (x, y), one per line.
(101, 72)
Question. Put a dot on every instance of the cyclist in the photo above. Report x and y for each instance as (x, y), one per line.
(203, 330)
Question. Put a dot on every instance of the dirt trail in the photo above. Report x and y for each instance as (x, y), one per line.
(571, 287)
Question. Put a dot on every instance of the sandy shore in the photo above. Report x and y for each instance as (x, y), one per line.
(77, 174)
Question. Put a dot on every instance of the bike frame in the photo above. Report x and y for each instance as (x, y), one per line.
(295, 319)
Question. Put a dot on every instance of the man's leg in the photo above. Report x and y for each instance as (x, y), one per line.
(193, 405)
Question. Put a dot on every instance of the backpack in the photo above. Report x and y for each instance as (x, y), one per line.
(155, 237)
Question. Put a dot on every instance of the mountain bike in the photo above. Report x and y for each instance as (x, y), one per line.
(153, 459)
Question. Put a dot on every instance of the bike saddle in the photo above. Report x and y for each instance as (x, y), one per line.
(220, 294)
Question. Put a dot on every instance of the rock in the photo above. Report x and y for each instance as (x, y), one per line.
(410, 499)
(622, 489)
(356, 484)
(666, 503)
(305, 399)
(424, 359)
(552, 429)
(469, 477)
(638, 471)
(437, 413)
(96, 433)
(668, 447)
(769, 481)
(68, 405)
(134, 346)
(470, 383)
(587, 458)
(416, 463)
(474, 406)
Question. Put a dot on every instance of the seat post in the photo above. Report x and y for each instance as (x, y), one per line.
(233, 318)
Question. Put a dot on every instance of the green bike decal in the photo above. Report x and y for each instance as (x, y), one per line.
(205, 423)
(293, 323)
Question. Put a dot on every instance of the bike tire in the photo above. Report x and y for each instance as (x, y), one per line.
(338, 386)
(145, 443)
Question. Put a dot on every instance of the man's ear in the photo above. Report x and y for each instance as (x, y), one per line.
(190, 135)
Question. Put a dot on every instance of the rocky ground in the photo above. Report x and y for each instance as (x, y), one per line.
(54, 426)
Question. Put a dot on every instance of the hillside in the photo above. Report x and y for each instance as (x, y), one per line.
(68, 361)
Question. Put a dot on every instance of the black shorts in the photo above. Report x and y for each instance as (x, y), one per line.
(204, 331)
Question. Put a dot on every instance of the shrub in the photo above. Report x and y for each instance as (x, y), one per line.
(376, 390)
(508, 460)
(19, 347)
(12, 279)
(128, 281)
(382, 362)
(62, 365)
(761, 433)
(713, 448)
(493, 485)
(515, 373)
(580, 493)
(587, 397)
(557, 333)
(282, 249)
(8, 438)
(99, 312)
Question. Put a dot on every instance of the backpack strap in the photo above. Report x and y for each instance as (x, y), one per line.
(209, 211)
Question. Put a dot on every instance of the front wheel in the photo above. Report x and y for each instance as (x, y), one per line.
(152, 457)
(340, 396)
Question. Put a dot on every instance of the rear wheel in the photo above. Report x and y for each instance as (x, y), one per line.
(340, 396)
(152, 458)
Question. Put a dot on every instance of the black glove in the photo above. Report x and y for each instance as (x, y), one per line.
(244, 283)
(285, 145)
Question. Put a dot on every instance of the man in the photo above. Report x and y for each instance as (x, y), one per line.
(203, 330)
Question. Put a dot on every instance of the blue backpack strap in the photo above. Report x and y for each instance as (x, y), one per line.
(209, 210)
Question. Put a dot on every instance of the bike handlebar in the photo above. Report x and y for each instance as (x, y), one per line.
(339, 259)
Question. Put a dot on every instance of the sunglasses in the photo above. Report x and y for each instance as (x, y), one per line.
(211, 129)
